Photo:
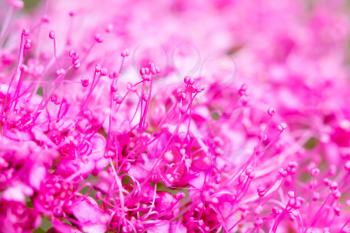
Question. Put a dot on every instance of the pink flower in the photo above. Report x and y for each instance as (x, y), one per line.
(174, 116)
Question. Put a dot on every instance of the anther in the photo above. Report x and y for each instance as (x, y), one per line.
(45, 19)
(271, 111)
(25, 32)
(84, 82)
(98, 38)
(52, 35)
(124, 53)
(71, 13)
(109, 28)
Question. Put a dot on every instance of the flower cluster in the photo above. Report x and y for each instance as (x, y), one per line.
(174, 116)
